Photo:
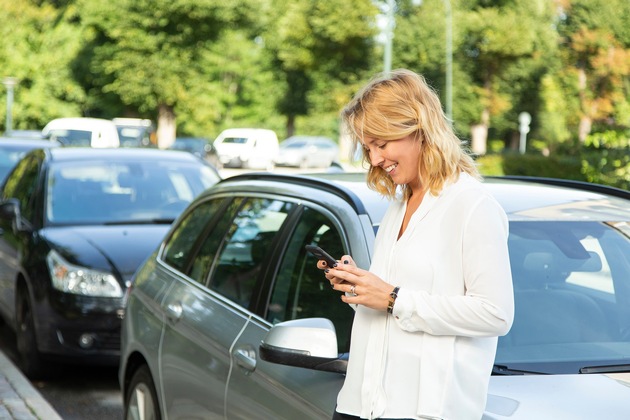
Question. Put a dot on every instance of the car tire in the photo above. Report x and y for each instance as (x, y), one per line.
(31, 361)
(141, 401)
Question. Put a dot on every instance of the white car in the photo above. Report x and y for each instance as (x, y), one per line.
(82, 131)
(252, 148)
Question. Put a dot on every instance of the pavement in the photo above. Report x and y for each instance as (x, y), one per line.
(19, 400)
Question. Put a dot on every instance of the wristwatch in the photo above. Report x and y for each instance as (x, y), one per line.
(392, 299)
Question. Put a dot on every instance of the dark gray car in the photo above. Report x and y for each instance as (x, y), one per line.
(230, 318)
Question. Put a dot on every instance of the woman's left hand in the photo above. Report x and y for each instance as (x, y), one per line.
(369, 289)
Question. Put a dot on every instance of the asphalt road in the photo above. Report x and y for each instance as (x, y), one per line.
(75, 392)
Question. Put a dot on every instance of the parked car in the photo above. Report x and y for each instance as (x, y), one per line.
(12, 149)
(252, 148)
(135, 132)
(307, 152)
(75, 224)
(25, 134)
(198, 146)
(82, 131)
(230, 318)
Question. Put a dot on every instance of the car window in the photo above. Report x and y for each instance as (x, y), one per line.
(203, 262)
(246, 246)
(118, 192)
(236, 140)
(570, 289)
(180, 245)
(72, 137)
(300, 289)
(22, 183)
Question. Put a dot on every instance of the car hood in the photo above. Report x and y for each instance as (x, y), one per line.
(592, 396)
(122, 248)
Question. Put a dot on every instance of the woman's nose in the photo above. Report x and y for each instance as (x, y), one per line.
(375, 157)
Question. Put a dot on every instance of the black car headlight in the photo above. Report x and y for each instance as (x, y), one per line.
(78, 280)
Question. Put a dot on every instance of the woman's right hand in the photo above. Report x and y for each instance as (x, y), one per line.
(322, 265)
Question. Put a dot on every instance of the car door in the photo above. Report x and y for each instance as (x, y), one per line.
(297, 289)
(21, 185)
(207, 309)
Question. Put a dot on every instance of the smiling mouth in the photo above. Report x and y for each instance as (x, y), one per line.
(390, 168)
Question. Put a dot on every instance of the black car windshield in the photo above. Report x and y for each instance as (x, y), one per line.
(117, 192)
(572, 296)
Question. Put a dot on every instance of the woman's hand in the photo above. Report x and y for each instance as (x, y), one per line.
(368, 289)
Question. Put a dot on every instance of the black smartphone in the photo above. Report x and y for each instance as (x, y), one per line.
(321, 254)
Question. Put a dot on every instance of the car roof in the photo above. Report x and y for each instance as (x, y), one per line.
(77, 123)
(522, 198)
(124, 153)
(27, 143)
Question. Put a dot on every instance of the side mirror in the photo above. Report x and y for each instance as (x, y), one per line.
(10, 211)
(309, 343)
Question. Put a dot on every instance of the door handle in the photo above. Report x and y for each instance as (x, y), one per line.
(245, 358)
(174, 311)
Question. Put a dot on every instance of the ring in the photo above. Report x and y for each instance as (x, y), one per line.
(352, 289)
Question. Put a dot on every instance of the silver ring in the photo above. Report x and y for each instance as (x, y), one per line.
(352, 289)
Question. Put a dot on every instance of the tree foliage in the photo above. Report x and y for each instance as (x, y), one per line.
(204, 65)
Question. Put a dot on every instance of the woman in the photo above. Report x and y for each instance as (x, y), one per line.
(439, 289)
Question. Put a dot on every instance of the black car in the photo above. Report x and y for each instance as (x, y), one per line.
(75, 224)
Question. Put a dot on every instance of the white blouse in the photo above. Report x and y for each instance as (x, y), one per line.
(434, 357)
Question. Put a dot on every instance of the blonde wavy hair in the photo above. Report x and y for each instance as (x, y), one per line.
(400, 104)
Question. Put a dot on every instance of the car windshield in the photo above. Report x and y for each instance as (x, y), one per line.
(72, 137)
(572, 296)
(130, 136)
(235, 140)
(116, 192)
(294, 145)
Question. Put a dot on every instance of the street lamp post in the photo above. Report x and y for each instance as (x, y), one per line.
(9, 83)
(389, 35)
(449, 59)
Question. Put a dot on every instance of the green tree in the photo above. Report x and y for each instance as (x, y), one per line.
(39, 42)
(501, 39)
(500, 51)
(154, 54)
(597, 61)
(321, 50)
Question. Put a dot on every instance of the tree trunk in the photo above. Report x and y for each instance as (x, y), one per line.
(586, 121)
(479, 134)
(585, 128)
(166, 127)
(290, 125)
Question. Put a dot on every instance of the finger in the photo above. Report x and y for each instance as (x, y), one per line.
(347, 260)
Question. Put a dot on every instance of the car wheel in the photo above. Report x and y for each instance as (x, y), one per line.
(141, 400)
(30, 358)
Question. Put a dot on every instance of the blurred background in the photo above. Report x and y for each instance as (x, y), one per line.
(535, 87)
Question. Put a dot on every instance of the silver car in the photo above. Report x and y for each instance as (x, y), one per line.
(307, 152)
(230, 318)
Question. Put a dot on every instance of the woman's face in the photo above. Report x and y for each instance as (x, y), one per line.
(398, 158)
